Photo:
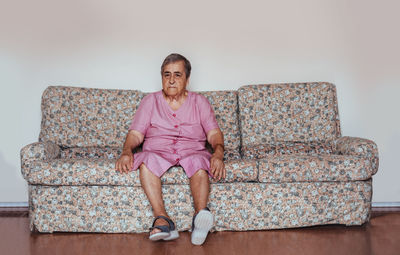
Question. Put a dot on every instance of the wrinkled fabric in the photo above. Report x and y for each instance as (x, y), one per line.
(174, 137)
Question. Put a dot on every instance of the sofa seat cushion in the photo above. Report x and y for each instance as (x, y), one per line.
(94, 171)
(91, 152)
(115, 152)
(281, 148)
(313, 167)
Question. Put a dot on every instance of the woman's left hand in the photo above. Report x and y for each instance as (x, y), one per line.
(217, 168)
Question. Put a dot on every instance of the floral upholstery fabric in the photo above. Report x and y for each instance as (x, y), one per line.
(281, 148)
(91, 171)
(301, 112)
(87, 117)
(226, 112)
(361, 147)
(91, 152)
(313, 167)
(287, 164)
(37, 152)
(236, 206)
(115, 152)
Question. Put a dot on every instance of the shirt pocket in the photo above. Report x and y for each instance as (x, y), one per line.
(193, 131)
(157, 128)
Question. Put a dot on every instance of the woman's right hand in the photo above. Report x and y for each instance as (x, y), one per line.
(125, 163)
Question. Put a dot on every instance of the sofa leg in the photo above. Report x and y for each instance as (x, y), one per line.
(33, 228)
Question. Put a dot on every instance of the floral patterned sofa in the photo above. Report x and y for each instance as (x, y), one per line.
(287, 163)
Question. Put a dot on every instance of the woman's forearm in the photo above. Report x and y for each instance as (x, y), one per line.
(216, 140)
(218, 151)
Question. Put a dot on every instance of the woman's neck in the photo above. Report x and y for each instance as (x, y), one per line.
(179, 98)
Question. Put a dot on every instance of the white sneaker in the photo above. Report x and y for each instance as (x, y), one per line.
(202, 223)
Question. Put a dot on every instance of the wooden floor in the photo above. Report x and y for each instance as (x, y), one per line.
(379, 236)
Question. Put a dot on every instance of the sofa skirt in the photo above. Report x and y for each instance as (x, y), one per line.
(236, 206)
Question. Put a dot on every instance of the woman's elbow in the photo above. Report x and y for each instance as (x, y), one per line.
(136, 135)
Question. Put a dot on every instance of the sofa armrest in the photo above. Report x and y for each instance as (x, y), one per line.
(39, 151)
(347, 145)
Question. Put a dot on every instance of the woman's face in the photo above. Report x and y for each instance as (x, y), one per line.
(174, 79)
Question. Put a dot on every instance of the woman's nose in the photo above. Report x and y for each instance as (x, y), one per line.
(171, 79)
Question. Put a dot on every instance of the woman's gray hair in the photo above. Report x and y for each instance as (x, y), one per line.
(175, 57)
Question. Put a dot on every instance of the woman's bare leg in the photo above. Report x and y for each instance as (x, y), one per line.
(200, 187)
(151, 185)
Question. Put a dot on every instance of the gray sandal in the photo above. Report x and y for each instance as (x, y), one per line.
(202, 222)
(167, 232)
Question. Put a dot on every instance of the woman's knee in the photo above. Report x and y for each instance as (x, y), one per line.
(143, 167)
(201, 173)
(145, 172)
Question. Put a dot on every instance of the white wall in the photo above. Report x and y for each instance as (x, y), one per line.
(121, 44)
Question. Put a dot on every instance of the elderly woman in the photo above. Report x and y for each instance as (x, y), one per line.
(174, 124)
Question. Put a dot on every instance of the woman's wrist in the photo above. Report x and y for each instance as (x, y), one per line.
(127, 152)
(218, 151)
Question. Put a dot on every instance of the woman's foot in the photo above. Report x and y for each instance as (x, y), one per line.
(163, 229)
(202, 223)
(159, 222)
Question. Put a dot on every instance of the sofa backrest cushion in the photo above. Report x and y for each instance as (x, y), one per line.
(225, 106)
(297, 112)
(86, 117)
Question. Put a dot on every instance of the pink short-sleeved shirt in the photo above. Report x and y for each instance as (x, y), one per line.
(174, 137)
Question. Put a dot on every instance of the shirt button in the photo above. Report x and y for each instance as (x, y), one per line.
(175, 141)
(177, 159)
(174, 151)
(176, 126)
(174, 115)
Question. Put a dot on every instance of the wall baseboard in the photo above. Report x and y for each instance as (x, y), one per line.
(14, 204)
(14, 210)
(385, 204)
(385, 207)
